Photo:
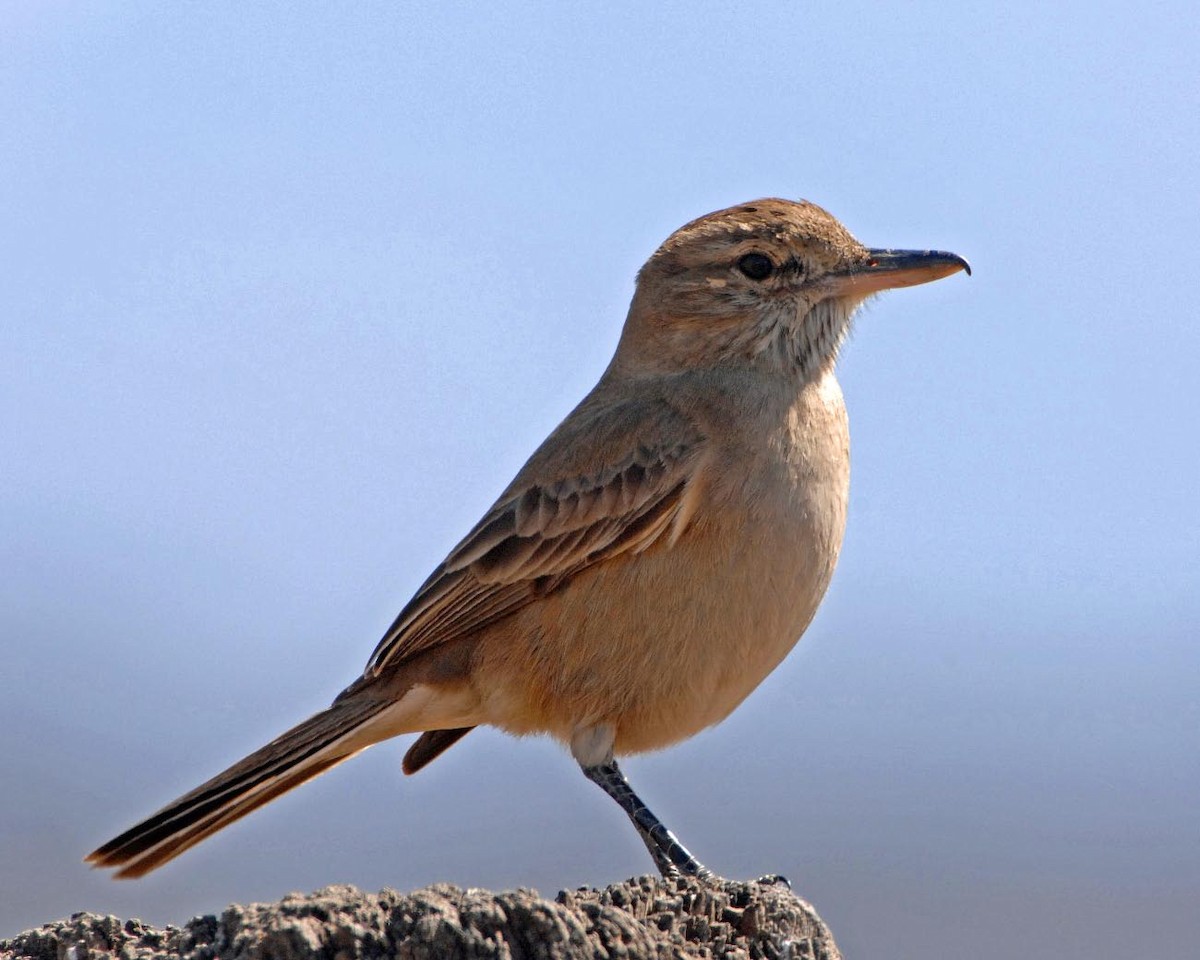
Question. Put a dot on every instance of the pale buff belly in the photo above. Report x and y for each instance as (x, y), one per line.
(669, 642)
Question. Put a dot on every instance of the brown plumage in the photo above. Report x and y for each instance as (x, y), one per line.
(654, 560)
(430, 745)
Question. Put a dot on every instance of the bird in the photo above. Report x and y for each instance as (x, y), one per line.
(652, 562)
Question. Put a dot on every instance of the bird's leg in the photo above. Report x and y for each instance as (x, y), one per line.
(670, 856)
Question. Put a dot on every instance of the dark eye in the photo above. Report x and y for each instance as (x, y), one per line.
(756, 266)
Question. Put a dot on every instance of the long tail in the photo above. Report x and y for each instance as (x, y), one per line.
(307, 750)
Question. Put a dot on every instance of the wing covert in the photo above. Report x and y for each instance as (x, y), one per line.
(539, 535)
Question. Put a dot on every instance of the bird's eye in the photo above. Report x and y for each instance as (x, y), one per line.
(756, 266)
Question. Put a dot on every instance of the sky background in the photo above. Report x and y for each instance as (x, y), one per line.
(288, 293)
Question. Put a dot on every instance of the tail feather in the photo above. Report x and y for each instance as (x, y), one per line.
(306, 751)
(430, 745)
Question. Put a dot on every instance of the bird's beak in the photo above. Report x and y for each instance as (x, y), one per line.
(886, 269)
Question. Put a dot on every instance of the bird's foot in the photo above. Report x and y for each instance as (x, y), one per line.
(709, 879)
(692, 871)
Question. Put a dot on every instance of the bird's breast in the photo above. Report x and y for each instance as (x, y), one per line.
(670, 641)
(779, 520)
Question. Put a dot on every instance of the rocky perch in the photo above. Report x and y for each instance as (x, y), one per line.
(641, 918)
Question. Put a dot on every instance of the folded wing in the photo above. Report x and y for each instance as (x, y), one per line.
(540, 534)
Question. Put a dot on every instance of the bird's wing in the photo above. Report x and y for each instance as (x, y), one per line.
(568, 509)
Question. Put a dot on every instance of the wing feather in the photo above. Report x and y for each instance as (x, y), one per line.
(539, 535)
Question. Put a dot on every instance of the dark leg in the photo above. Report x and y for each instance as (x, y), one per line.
(670, 856)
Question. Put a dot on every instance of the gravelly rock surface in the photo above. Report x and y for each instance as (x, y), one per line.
(643, 917)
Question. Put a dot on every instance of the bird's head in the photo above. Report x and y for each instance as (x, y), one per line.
(771, 282)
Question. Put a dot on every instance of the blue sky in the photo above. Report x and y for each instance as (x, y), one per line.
(290, 292)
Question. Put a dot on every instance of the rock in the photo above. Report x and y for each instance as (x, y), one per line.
(641, 918)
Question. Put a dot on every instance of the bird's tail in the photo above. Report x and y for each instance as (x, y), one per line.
(307, 750)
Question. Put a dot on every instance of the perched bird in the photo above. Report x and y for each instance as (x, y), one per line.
(655, 558)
